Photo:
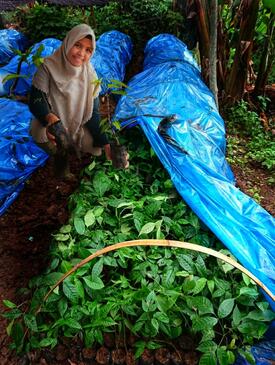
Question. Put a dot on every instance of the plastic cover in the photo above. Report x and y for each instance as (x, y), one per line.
(192, 150)
(11, 39)
(19, 155)
(113, 52)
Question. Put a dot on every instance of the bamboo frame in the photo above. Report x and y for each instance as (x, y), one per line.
(162, 243)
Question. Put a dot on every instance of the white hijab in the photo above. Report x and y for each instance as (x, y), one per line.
(70, 90)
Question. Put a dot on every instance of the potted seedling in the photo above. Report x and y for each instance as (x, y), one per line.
(112, 128)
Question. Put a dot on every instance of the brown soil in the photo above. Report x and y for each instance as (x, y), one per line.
(256, 182)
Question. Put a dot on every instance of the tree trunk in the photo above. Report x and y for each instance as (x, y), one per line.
(203, 28)
(238, 74)
(213, 49)
(267, 59)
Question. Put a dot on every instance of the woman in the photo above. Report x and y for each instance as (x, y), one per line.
(65, 93)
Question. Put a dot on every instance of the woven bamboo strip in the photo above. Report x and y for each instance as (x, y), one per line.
(162, 243)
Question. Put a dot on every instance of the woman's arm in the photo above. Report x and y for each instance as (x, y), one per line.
(40, 107)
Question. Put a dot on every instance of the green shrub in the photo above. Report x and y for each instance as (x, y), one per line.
(134, 16)
(44, 21)
(256, 143)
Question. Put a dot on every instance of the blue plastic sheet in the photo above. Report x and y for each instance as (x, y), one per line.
(113, 52)
(19, 155)
(173, 86)
(27, 69)
(264, 354)
(11, 39)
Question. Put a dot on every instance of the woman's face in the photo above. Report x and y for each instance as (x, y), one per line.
(80, 52)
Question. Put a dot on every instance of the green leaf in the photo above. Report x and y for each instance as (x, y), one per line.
(13, 76)
(248, 356)
(9, 327)
(98, 211)
(119, 83)
(155, 324)
(231, 357)
(262, 305)
(140, 345)
(17, 335)
(200, 284)
(72, 323)
(162, 303)
(252, 328)
(258, 315)
(79, 225)
(249, 292)
(186, 263)
(225, 308)
(237, 316)
(70, 290)
(208, 359)
(222, 356)
(97, 269)
(48, 342)
(101, 183)
(202, 304)
(246, 279)
(200, 266)
(147, 228)
(188, 285)
(201, 323)
(207, 346)
(9, 304)
(30, 322)
(51, 278)
(211, 285)
(89, 218)
(62, 306)
(13, 314)
(79, 288)
(161, 317)
(95, 284)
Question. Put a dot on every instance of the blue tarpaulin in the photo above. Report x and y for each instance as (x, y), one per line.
(19, 156)
(113, 52)
(10, 40)
(191, 147)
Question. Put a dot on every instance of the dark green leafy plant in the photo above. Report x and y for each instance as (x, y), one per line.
(132, 18)
(257, 143)
(153, 292)
(45, 21)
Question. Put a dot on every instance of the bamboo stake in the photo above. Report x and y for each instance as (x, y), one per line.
(163, 243)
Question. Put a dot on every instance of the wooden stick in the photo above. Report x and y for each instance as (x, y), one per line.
(165, 243)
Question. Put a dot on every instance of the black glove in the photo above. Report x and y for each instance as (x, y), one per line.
(58, 131)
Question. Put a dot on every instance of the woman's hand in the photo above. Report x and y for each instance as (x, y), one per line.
(51, 119)
(108, 153)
